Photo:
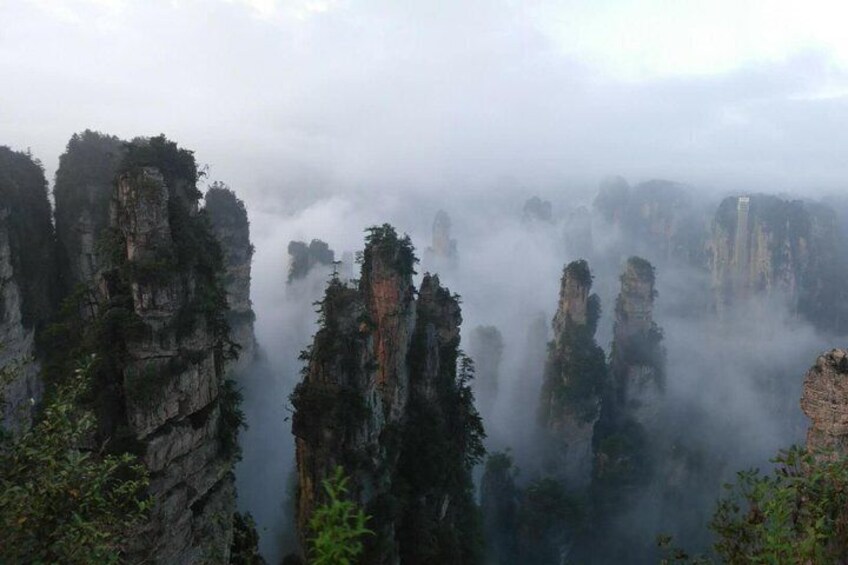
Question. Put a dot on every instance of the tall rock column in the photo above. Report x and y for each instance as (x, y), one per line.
(637, 365)
(228, 218)
(85, 181)
(27, 289)
(172, 377)
(386, 396)
(386, 285)
(825, 402)
(356, 386)
(575, 374)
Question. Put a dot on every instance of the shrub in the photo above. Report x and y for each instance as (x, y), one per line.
(337, 526)
(61, 502)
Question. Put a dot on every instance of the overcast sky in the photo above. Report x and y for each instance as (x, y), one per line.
(285, 98)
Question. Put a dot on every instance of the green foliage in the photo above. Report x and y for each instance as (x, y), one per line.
(321, 406)
(799, 514)
(579, 272)
(232, 418)
(548, 518)
(337, 526)
(245, 547)
(396, 252)
(305, 257)
(61, 502)
(499, 497)
(621, 460)
(643, 268)
(144, 385)
(84, 187)
(25, 212)
(575, 374)
(176, 164)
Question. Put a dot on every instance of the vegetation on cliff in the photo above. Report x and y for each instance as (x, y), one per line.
(576, 369)
(25, 209)
(303, 258)
(535, 525)
(410, 453)
(83, 192)
(64, 499)
(796, 514)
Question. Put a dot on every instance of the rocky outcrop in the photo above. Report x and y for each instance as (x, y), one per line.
(85, 182)
(625, 435)
(575, 373)
(825, 402)
(442, 252)
(27, 276)
(637, 362)
(303, 258)
(228, 218)
(172, 377)
(763, 245)
(154, 312)
(379, 393)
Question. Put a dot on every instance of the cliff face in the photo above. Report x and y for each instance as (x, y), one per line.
(303, 258)
(228, 218)
(172, 378)
(637, 362)
(27, 292)
(575, 373)
(83, 191)
(763, 245)
(825, 402)
(380, 387)
(154, 313)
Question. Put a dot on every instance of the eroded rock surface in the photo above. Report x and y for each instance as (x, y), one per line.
(825, 402)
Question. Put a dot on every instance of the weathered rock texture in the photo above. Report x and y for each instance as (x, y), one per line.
(637, 364)
(442, 252)
(228, 218)
(625, 436)
(85, 182)
(763, 245)
(27, 291)
(575, 373)
(825, 402)
(173, 373)
(155, 315)
(303, 258)
(379, 394)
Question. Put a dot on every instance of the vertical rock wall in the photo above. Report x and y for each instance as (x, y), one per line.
(575, 373)
(637, 363)
(27, 282)
(825, 402)
(228, 218)
(382, 398)
(172, 381)
(85, 182)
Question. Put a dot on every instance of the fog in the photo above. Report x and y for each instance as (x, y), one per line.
(733, 381)
(327, 117)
